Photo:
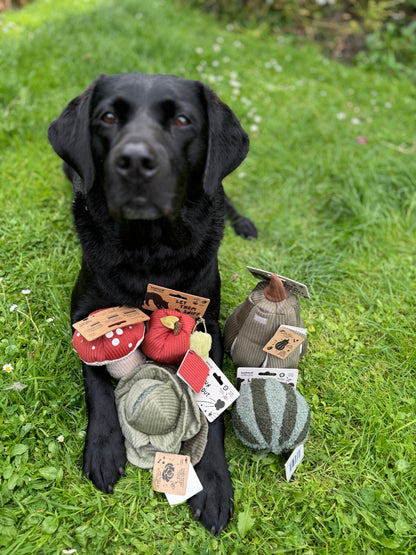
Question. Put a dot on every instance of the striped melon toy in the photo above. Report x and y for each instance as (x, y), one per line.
(271, 416)
(254, 322)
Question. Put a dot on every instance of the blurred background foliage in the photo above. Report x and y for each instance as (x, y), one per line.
(370, 33)
(376, 34)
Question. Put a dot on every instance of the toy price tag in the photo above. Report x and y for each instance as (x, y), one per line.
(283, 342)
(160, 297)
(291, 285)
(284, 375)
(193, 487)
(217, 394)
(170, 473)
(294, 461)
(103, 321)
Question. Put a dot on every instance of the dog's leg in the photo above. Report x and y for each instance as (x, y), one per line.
(104, 452)
(242, 226)
(213, 506)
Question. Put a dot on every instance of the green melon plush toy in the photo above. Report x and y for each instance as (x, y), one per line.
(254, 322)
(270, 416)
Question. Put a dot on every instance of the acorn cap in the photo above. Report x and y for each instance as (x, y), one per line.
(275, 291)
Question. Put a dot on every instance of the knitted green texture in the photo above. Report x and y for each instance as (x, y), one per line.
(158, 412)
(270, 416)
(253, 324)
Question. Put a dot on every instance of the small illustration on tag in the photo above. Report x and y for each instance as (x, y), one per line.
(170, 473)
(161, 297)
(283, 342)
(217, 393)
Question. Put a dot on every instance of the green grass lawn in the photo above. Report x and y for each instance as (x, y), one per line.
(332, 212)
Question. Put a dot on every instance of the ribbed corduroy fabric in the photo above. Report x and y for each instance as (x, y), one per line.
(162, 344)
(158, 412)
(254, 322)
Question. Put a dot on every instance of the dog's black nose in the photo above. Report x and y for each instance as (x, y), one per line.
(137, 159)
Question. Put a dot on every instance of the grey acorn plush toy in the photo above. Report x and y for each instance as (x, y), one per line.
(254, 322)
(271, 416)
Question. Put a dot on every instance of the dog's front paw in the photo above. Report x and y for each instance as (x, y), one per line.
(213, 506)
(104, 458)
(245, 228)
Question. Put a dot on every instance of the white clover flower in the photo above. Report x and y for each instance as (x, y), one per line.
(254, 128)
(341, 115)
(355, 121)
(199, 50)
(13, 307)
(26, 291)
(216, 48)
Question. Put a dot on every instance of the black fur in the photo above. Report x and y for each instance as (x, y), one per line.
(149, 207)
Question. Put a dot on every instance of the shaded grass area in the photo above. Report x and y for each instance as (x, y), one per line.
(332, 212)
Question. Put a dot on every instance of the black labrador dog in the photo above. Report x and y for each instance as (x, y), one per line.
(146, 155)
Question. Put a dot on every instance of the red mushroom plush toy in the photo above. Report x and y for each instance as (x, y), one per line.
(117, 349)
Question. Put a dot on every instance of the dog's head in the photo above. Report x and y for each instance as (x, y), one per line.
(150, 141)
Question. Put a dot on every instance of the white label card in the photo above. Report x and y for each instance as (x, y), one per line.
(217, 393)
(293, 286)
(294, 461)
(284, 375)
(193, 487)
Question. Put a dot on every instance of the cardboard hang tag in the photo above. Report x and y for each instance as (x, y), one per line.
(293, 286)
(170, 473)
(160, 297)
(193, 371)
(283, 342)
(193, 487)
(283, 375)
(217, 394)
(103, 321)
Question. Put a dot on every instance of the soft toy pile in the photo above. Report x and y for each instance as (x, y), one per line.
(157, 410)
(268, 416)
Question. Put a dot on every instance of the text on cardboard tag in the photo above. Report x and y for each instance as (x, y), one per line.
(103, 321)
(160, 297)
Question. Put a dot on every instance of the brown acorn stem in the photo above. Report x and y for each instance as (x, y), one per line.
(177, 327)
(275, 291)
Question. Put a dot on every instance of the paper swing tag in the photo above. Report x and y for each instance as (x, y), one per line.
(283, 342)
(217, 394)
(175, 476)
(100, 323)
(160, 297)
(170, 473)
(294, 461)
(284, 375)
(193, 371)
(293, 286)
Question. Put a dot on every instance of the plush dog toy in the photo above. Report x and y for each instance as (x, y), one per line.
(158, 412)
(271, 416)
(254, 322)
(117, 349)
(170, 334)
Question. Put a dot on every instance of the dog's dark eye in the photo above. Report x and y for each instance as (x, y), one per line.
(182, 121)
(109, 118)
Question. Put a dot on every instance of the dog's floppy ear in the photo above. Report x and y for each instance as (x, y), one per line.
(69, 136)
(228, 143)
